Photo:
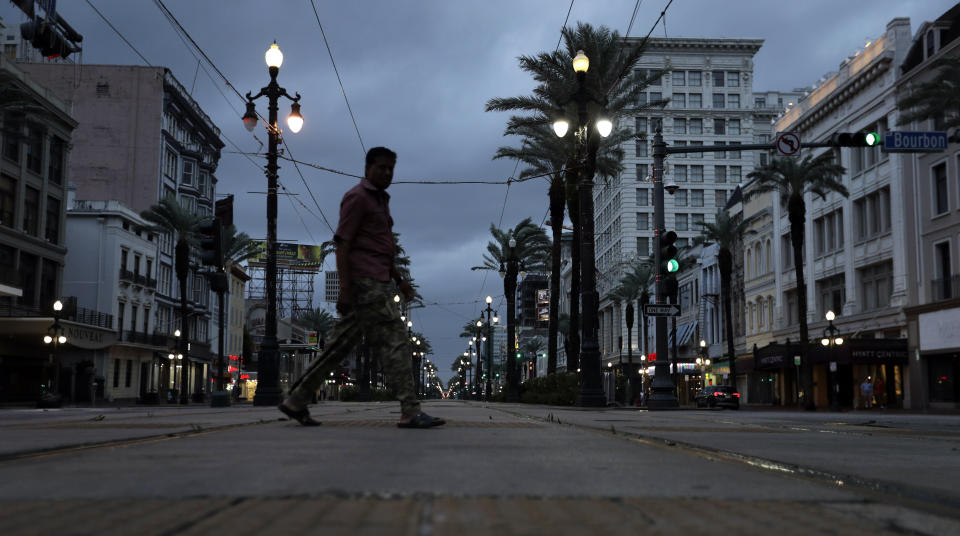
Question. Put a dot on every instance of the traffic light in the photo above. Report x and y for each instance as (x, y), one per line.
(46, 38)
(668, 252)
(855, 139)
(211, 243)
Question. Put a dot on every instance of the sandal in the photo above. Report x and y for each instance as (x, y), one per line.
(302, 416)
(421, 420)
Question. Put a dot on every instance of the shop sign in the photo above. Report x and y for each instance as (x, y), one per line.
(88, 338)
(940, 330)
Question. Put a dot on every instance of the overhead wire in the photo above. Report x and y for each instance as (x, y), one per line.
(112, 27)
(335, 70)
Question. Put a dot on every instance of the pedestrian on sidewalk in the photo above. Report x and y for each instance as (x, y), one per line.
(369, 280)
(866, 393)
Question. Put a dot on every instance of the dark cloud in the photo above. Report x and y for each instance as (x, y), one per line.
(418, 75)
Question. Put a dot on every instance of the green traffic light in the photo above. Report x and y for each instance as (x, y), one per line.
(872, 138)
(673, 265)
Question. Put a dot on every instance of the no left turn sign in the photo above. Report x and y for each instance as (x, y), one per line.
(788, 144)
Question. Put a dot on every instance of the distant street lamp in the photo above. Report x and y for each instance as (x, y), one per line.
(591, 387)
(832, 339)
(268, 365)
(54, 337)
(491, 320)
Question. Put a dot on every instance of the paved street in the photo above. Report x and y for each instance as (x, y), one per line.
(513, 469)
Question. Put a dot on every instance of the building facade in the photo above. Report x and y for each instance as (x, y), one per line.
(142, 138)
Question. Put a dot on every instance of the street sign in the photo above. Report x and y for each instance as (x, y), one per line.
(655, 309)
(914, 142)
(788, 144)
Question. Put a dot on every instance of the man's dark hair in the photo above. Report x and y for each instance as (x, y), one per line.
(376, 152)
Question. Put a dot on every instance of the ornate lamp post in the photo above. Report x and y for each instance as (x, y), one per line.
(54, 337)
(591, 389)
(832, 339)
(513, 268)
(268, 365)
(491, 320)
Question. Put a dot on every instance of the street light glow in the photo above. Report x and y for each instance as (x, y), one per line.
(295, 120)
(61, 339)
(838, 340)
(58, 305)
(47, 339)
(831, 316)
(273, 56)
(581, 62)
(489, 299)
(825, 341)
(176, 333)
(560, 127)
(604, 127)
(396, 299)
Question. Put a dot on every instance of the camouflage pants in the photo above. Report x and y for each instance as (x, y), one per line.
(375, 315)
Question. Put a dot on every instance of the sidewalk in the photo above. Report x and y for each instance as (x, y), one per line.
(504, 468)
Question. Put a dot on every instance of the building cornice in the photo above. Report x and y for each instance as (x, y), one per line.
(695, 43)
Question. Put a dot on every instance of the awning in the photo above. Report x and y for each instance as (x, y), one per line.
(684, 332)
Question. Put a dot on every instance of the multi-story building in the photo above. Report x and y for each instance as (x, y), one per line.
(709, 85)
(237, 307)
(931, 212)
(141, 138)
(855, 247)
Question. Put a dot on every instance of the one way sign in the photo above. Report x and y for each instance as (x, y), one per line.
(656, 309)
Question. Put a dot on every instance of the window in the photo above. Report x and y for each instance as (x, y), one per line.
(719, 126)
(133, 318)
(202, 183)
(696, 199)
(786, 249)
(656, 124)
(188, 172)
(136, 264)
(34, 147)
(8, 197)
(640, 125)
(942, 272)
(116, 373)
(643, 246)
(720, 198)
(55, 166)
(124, 254)
(696, 155)
(642, 99)
(759, 102)
(31, 210)
(12, 134)
(735, 154)
(763, 158)
(733, 101)
(129, 376)
(828, 232)
(170, 164)
(832, 294)
(681, 222)
(641, 148)
(791, 308)
(720, 175)
(931, 47)
(695, 220)
(52, 227)
(717, 78)
(643, 197)
(679, 126)
(718, 101)
(680, 198)
(694, 78)
(655, 96)
(680, 173)
(642, 172)
(696, 173)
(876, 285)
(643, 221)
(164, 275)
(733, 173)
(733, 128)
(680, 143)
(679, 100)
(696, 126)
(653, 76)
(694, 100)
(720, 154)
(733, 79)
(121, 306)
(941, 200)
(873, 214)
(678, 78)
(149, 271)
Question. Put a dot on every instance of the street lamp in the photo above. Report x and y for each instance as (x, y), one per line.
(832, 339)
(268, 365)
(591, 388)
(514, 267)
(491, 319)
(54, 337)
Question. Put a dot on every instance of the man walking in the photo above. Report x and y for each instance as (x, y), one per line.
(365, 252)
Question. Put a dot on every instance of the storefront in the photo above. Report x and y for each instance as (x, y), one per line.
(773, 376)
(936, 355)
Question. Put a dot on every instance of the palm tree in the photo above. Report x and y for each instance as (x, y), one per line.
(527, 245)
(937, 99)
(237, 247)
(634, 284)
(727, 233)
(612, 75)
(793, 180)
(318, 320)
(168, 216)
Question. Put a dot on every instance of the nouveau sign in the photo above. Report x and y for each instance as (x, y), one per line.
(88, 338)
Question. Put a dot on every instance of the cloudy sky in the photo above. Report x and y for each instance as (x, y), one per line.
(417, 75)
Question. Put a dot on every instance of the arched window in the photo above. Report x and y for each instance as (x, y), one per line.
(770, 310)
(769, 257)
(756, 260)
(746, 265)
(760, 311)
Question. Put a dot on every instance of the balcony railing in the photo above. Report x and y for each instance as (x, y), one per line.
(946, 288)
(151, 339)
(126, 275)
(70, 312)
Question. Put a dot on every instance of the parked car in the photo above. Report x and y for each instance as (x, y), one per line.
(724, 396)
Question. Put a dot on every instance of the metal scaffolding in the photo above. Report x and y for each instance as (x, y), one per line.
(295, 284)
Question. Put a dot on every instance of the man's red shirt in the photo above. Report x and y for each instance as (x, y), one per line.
(366, 224)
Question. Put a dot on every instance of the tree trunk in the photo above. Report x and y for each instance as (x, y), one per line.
(183, 271)
(556, 224)
(573, 209)
(510, 290)
(630, 374)
(797, 211)
(725, 262)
